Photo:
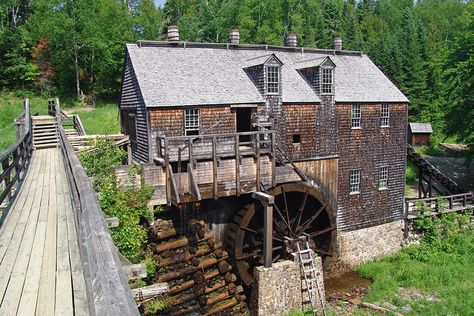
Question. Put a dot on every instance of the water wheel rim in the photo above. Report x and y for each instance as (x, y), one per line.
(243, 260)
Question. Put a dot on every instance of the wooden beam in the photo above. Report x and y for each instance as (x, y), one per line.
(150, 291)
(193, 185)
(263, 197)
(237, 165)
(214, 166)
(112, 222)
(135, 271)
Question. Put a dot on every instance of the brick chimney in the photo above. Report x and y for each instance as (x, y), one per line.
(337, 42)
(291, 40)
(234, 36)
(173, 33)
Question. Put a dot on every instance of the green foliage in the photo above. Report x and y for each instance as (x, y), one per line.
(100, 163)
(441, 266)
(411, 175)
(126, 202)
(425, 47)
(158, 305)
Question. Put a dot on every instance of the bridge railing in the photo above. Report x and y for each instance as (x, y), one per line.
(436, 206)
(107, 285)
(14, 161)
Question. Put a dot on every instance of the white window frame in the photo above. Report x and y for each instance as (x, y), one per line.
(191, 121)
(273, 82)
(384, 115)
(382, 184)
(354, 181)
(356, 115)
(327, 80)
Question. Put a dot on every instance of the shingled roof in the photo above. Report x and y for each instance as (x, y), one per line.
(204, 74)
(423, 128)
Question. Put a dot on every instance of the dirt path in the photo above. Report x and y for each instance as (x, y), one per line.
(456, 169)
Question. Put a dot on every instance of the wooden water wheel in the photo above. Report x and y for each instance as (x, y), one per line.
(300, 210)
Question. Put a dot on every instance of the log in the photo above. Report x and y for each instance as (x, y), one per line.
(198, 277)
(173, 244)
(221, 308)
(181, 257)
(150, 291)
(380, 309)
(188, 284)
(229, 277)
(178, 274)
(220, 297)
(215, 287)
(232, 288)
(185, 310)
(195, 261)
(223, 267)
(165, 234)
(200, 289)
(202, 300)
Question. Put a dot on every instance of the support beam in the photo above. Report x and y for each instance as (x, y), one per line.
(267, 202)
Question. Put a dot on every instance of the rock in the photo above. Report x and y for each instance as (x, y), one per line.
(389, 305)
(406, 309)
(355, 301)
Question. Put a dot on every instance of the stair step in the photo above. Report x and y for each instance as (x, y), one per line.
(39, 139)
(39, 146)
(39, 124)
(46, 130)
(41, 133)
(42, 141)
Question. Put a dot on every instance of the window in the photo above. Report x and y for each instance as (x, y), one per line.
(383, 177)
(326, 80)
(355, 181)
(191, 122)
(296, 138)
(273, 79)
(355, 116)
(384, 115)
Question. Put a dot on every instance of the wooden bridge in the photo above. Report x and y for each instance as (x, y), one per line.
(56, 254)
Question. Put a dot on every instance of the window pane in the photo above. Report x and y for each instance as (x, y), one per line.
(383, 177)
(355, 115)
(384, 115)
(326, 80)
(273, 79)
(354, 181)
(191, 122)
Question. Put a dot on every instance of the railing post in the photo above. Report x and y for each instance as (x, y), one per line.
(273, 157)
(214, 165)
(257, 166)
(405, 219)
(237, 165)
(167, 173)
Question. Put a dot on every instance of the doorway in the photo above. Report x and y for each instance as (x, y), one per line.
(244, 122)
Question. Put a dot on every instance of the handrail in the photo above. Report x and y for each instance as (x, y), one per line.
(292, 164)
(106, 283)
(14, 161)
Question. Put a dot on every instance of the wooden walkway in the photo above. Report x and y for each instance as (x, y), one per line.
(40, 266)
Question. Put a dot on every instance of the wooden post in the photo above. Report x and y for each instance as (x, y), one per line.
(257, 166)
(237, 165)
(273, 157)
(191, 154)
(214, 166)
(430, 186)
(267, 202)
(129, 154)
(420, 183)
(168, 174)
(405, 219)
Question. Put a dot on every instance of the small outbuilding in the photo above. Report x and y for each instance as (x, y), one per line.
(419, 134)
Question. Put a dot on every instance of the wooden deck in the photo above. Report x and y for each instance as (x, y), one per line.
(40, 266)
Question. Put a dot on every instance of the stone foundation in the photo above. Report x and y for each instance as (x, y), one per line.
(276, 290)
(366, 244)
(280, 289)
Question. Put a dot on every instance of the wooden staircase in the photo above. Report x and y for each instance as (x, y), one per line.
(45, 132)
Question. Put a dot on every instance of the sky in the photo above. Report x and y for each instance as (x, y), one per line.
(160, 3)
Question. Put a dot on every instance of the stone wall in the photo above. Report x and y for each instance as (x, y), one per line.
(276, 290)
(365, 244)
(281, 289)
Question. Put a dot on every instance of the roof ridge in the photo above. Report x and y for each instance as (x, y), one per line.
(299, 49)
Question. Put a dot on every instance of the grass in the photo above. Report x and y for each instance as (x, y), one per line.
(442, 268)
(11, 108)
(103, 119)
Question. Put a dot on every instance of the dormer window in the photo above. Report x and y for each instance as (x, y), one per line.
(273, 79)
(327, 80)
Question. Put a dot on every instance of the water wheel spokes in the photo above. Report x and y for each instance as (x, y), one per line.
(300, 210)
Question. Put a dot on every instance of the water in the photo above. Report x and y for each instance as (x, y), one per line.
(345, 282)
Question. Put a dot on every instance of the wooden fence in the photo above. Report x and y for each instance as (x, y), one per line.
(107, 285)
(15, 161)
(436, 206)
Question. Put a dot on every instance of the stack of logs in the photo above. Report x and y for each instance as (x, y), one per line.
(196, 268)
